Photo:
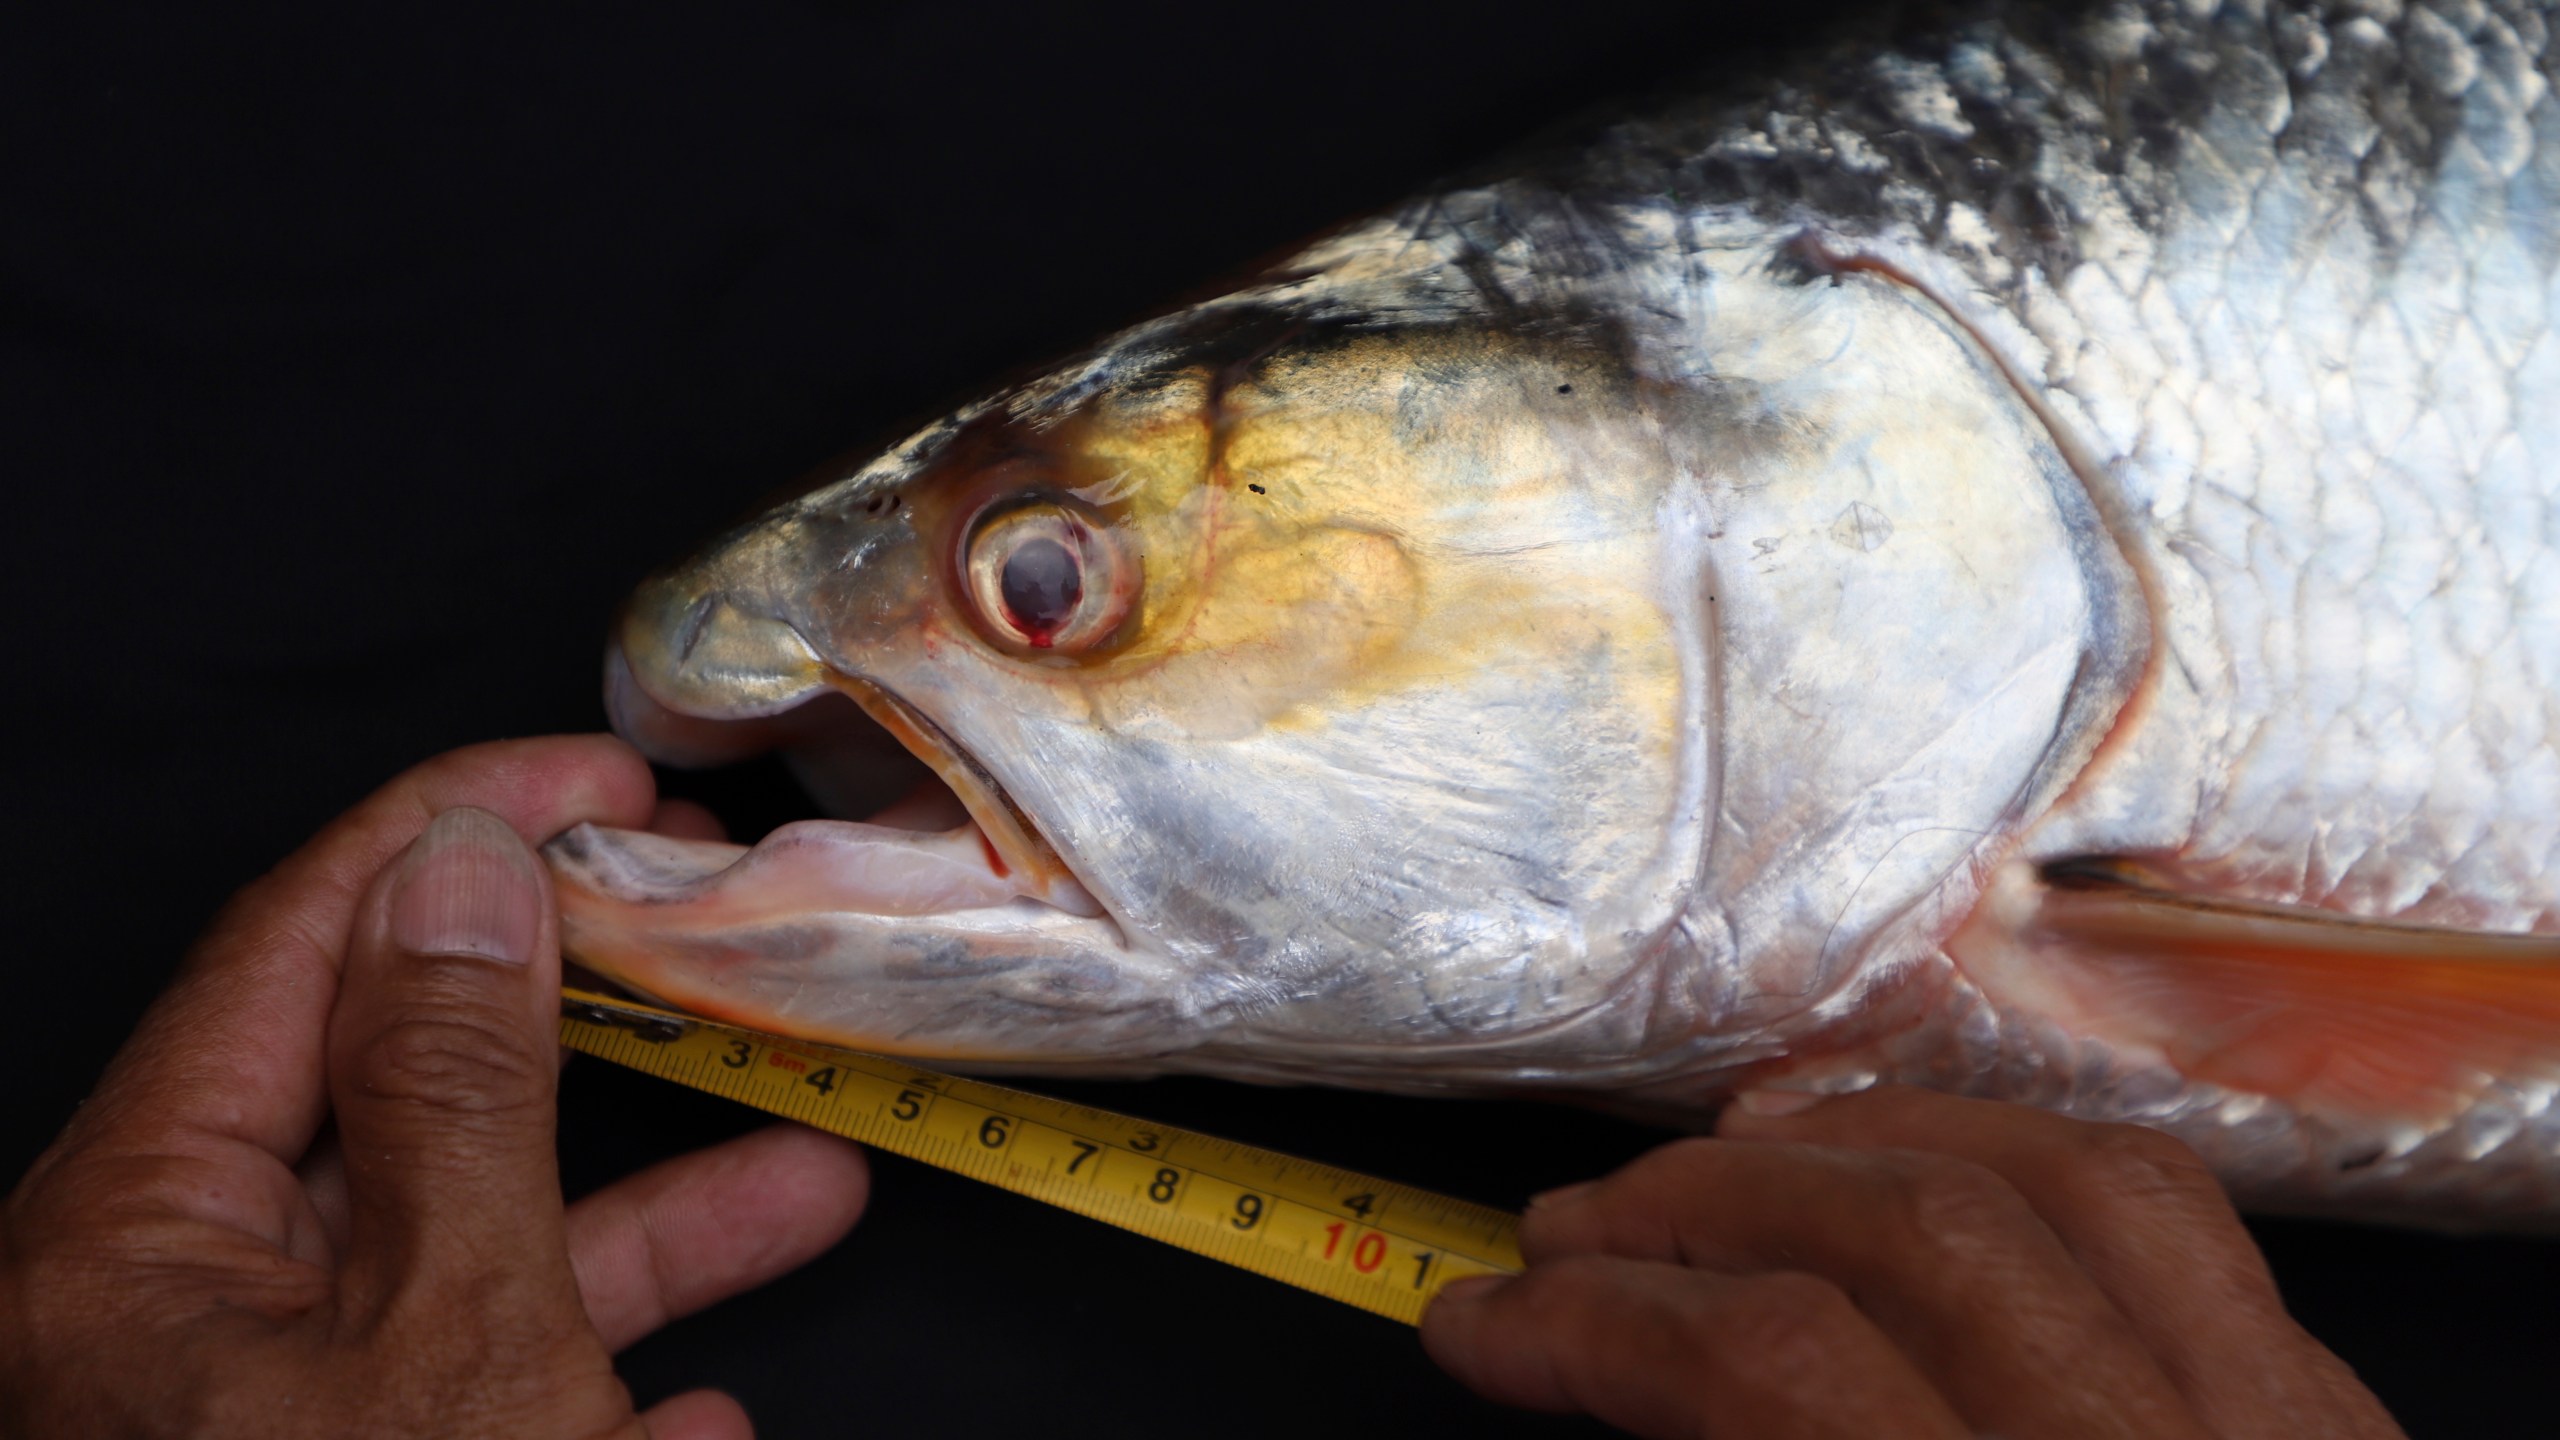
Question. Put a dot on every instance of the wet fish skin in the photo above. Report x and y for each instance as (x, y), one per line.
(2095, 433)
(2302, 317)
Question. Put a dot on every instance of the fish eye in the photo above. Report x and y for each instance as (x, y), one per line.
(1046, 575)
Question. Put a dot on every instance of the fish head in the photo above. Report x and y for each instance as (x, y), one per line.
(1314, 696)
(1450, 662)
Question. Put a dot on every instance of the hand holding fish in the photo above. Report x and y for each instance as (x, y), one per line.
(1900, 1263)
(197, 1254)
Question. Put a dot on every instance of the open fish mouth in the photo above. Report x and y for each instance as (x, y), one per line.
(948, 882)
(953, 841)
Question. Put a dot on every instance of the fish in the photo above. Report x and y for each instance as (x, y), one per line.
(2018, 554)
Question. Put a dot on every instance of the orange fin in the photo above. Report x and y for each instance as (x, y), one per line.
(2327, 1012)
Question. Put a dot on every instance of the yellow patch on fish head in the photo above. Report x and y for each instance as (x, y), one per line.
(1340, 521)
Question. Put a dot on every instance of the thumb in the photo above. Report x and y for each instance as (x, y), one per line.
(442, 1072)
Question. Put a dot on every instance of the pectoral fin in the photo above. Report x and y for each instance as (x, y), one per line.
(2333, 1014)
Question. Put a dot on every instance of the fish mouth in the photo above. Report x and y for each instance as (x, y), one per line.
(945, 924)
(953, 839)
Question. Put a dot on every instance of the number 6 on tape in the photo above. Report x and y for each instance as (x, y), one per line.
(1384, 1247)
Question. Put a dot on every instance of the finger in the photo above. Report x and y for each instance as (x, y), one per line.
(702, 1227)
(1663, 1351)
(232, 1051)
(2146, 1219)
(442, 1073)
(323, 1174)
(1950, 1262)
(684, 820)
(698, 1415)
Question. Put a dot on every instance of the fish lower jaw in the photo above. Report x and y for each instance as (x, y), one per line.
(807, 866)
(894, 941)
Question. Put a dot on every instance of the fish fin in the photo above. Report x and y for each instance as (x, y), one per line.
(2328, 1012)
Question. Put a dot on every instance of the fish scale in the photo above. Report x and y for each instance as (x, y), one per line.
(2299, 475)
(2320, 365)
(2020, 554)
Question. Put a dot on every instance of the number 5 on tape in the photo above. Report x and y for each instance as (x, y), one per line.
(1384, 1247)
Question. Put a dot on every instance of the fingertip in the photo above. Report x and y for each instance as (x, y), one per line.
(815, 1172)
(1562, 1221)
(1459, 1300)
(1882, 1114)
(698, 1415)
(1773, 1103)
(1767, 1112)
(685, 820)
(1451, 1321)
(467, 886)
(1468, 1290)
(1757, 1112)
(545, 784)
(694, 1230)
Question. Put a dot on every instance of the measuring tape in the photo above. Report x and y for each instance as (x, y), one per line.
(1384, 1247)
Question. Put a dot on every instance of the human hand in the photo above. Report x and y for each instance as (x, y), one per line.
(195, 1257)
(1901, 1263)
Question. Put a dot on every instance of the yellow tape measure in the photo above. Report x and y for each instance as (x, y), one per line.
(1384, 1247)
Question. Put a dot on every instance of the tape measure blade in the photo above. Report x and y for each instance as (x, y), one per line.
(1376, 1244)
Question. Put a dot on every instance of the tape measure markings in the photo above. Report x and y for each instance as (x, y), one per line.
(1366, 1245)
(1385, 1247)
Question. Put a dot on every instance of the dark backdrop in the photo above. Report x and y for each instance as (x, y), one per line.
(354, 360)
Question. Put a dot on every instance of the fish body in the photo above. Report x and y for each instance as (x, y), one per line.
(2022, 557)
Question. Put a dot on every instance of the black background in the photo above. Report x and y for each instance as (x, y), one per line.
(353, 363)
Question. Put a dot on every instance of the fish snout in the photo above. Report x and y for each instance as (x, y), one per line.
(701, 654)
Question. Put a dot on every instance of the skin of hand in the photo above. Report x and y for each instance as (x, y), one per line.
(1900, 1263)
(316, 1194)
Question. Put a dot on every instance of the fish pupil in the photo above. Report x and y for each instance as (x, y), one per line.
(1042, 586)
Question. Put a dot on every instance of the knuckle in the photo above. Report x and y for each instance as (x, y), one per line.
(2135, 1162)
(1627, 1207)
(1574, 1302)
(1791, 1322)
(1953, 1209)
(1634, 1210)
(471, 1064)
(1553, 1289)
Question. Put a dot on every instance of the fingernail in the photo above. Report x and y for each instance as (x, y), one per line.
(467, 887)
(1560, 1195)
(1776, 1102)
(1470, 1287)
